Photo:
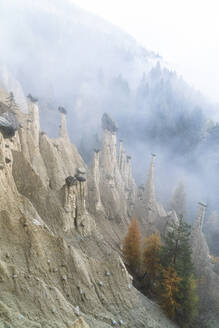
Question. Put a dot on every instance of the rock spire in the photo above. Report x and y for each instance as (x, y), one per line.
(63, 133)
(96, 177)
(149, 192)
(200, 217)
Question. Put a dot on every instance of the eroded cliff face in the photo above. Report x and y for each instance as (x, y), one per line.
(111, 187)
(208, 288)
(151, 214)
(61, 226)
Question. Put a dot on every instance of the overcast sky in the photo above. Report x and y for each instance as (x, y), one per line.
(184, 32)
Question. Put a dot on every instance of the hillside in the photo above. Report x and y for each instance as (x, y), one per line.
(61, 238)
(70, 187)
(62, 226)
(68, 57)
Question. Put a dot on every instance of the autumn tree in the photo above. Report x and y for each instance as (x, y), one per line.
(169, 290)
(132, 246)
(151, 260)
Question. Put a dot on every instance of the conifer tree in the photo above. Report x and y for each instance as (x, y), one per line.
(132, 246)
(170, 288)
(176, 253)
(188, 303)
(176, 250)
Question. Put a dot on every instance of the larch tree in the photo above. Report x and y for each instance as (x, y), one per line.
(151, 260)
(132, 246)
(170, 288)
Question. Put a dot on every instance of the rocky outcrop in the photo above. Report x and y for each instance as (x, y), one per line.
(200, 249)
(151, 214)
(63, 126)
(96, 175)
(75, 205)
(111, 187)
(108, 158)
(57, 261)
(60, 156)
(149, 191)
(208, 288)
(30, 141)
(125, 168)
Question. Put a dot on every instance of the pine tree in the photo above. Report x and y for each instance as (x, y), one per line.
(188, 301)
(151, 260)
(132, 247)
(176, 253)
(177, 250)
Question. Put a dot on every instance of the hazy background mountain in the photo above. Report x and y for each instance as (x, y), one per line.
(66, 56)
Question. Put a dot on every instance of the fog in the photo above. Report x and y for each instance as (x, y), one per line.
(185, 33)
(68, 57)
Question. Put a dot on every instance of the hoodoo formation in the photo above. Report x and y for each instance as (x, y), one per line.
(106, 154)
(62, 225)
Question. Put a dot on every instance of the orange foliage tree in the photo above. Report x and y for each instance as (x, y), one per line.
(132, 246)
(170, 287)
(151, 259)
